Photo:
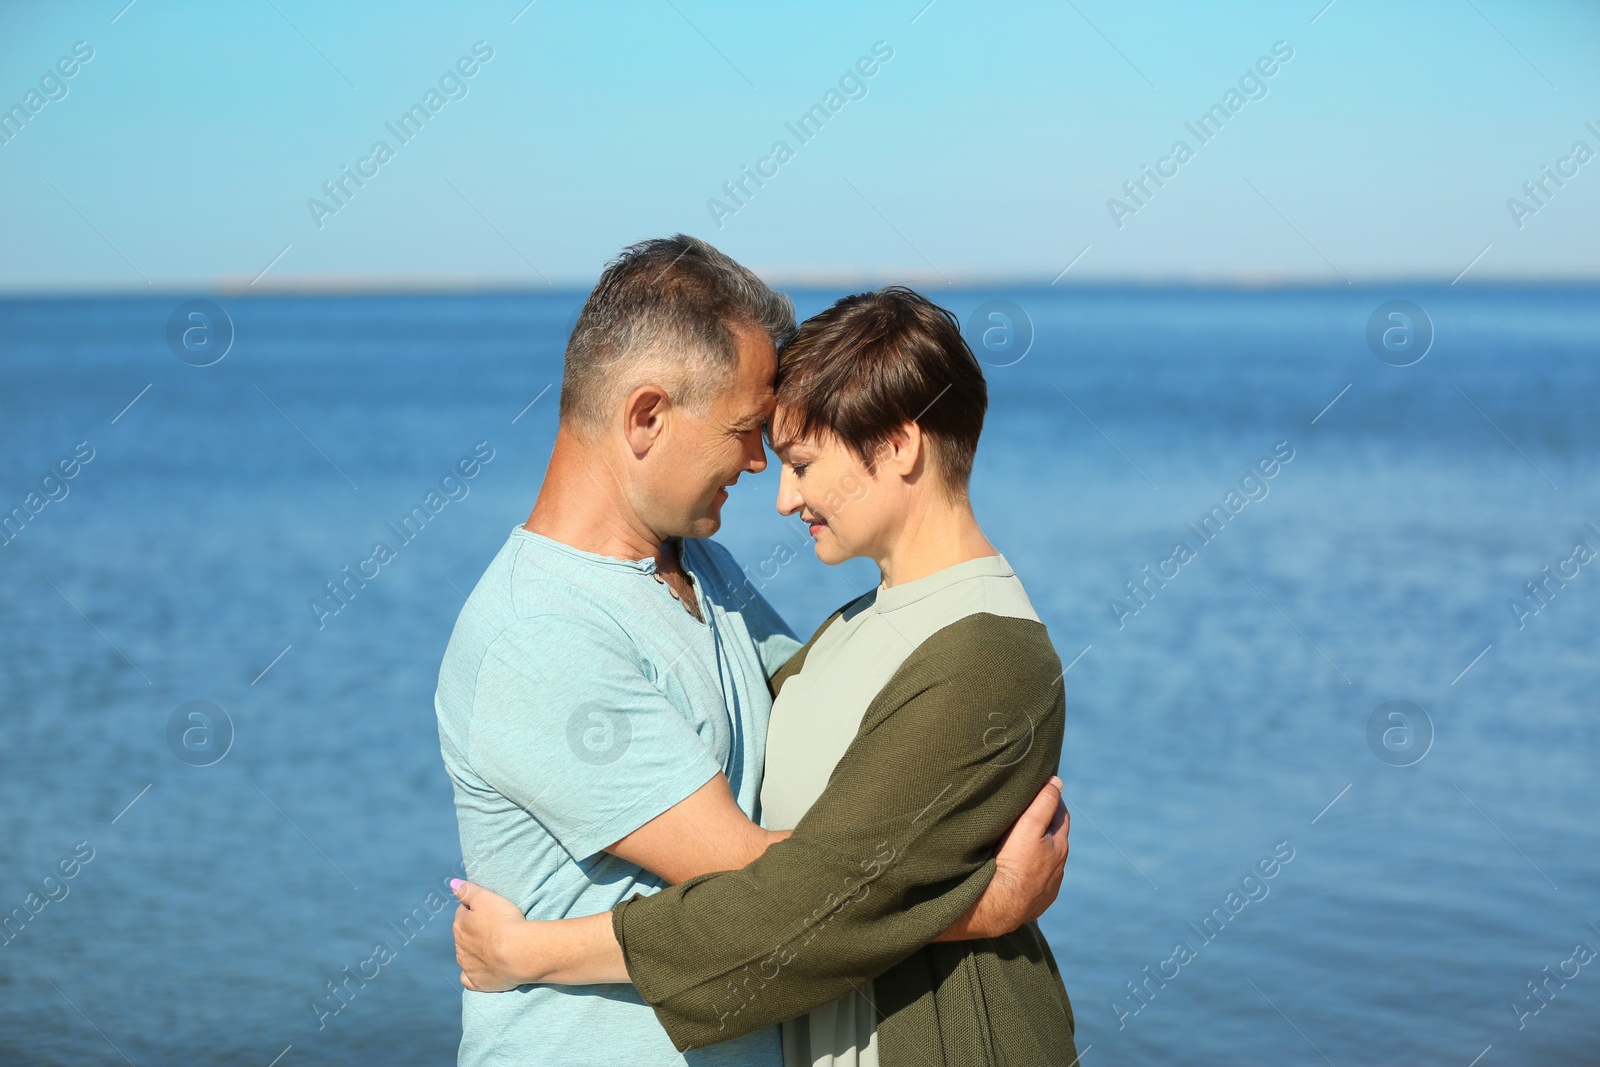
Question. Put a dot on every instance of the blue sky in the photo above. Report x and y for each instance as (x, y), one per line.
(184, 153)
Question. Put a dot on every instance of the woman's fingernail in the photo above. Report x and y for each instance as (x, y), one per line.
(456, 883)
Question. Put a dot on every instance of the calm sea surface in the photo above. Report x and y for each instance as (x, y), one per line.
(1239, 708)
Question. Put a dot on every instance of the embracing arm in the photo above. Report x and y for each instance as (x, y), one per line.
(704, 832)
(499, 949)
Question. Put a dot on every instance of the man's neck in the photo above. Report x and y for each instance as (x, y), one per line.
(581, 504)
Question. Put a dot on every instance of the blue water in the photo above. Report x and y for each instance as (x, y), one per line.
(1222, 719)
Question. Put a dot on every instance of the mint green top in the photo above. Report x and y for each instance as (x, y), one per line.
(577, 701)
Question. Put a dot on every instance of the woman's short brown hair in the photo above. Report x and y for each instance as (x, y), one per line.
(874, 361)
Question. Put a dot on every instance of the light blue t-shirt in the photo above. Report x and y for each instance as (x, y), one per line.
(577, 701)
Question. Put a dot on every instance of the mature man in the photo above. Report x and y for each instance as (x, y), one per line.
(603, 701)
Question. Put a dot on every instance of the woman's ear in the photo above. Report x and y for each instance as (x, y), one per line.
(900, 451)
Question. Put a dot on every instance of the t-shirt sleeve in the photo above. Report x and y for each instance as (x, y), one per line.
(898, 846)
(568, 724)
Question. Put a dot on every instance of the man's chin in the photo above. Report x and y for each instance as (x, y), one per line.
(704, 526)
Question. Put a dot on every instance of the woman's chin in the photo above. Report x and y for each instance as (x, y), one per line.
(831, 553)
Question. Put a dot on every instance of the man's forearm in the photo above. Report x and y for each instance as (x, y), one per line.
(971, 926)
(704, 832)
(733, 853)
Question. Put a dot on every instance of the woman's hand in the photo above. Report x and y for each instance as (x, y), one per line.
(499, 948)
(1028, 869)
(487, 929)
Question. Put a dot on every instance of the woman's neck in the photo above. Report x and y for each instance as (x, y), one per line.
(941, 535)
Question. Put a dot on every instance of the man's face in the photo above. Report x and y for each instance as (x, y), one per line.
(704, 454)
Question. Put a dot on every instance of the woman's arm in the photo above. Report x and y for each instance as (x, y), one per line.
(498, 949)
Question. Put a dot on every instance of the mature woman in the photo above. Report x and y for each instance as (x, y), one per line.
(905, 738)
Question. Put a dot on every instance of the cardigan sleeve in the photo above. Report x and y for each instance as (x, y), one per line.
(897, 848)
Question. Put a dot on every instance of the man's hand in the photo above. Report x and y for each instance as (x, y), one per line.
(487, 927)
(1028, 869)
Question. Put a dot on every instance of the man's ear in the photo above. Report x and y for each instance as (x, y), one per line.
(644, 415)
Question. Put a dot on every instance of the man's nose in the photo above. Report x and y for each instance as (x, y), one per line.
(756, 460)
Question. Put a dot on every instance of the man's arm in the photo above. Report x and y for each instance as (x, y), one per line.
(707, 831)
(1028, 867)
(704, 832)
(568, 725)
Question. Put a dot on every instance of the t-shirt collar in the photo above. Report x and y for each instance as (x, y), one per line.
(643, 566)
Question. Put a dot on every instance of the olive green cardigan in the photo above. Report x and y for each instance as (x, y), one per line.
(898, 847)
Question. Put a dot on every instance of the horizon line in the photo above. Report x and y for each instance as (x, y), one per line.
(459, 285)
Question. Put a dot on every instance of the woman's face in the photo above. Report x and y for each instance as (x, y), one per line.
(846, 507)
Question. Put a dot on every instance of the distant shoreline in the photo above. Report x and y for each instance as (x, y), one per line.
(342, 287)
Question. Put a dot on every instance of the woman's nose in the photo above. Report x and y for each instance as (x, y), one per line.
(789, 499)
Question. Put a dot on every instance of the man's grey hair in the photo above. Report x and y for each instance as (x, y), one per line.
(664, 313)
